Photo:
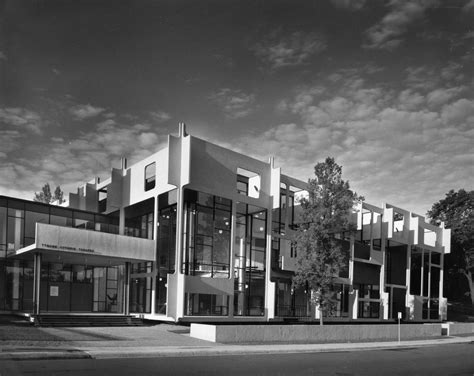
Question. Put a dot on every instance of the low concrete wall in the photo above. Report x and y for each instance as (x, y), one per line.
(311, 333)
(454, 328)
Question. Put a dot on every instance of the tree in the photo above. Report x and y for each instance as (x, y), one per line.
(456, 210)
(46, 196)
(325, 215)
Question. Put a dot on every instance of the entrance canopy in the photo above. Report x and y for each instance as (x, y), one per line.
(78, 246)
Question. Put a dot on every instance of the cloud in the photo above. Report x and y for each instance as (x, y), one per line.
(85, 111)
(234, 103)
(441, 96)
(160, 116)
(277, 50)
(22, 117)
(387, 33)
(430, 78)
(349, 4)
(9, 140)
(69, 161)
(393, 147)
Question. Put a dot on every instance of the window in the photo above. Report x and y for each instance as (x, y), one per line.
(207, 235)
(248, 183)
(207, 305)
(166, 241)
(139, 219)
(150, 175)
(249, 260)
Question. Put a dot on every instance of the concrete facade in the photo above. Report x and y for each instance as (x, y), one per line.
(216, 229)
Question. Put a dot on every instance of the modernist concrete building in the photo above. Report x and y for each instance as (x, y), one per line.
(197, 232)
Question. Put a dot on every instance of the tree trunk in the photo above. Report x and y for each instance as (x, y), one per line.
(320, 316)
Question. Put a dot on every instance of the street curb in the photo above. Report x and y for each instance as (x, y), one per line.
(43, 355)
(272, 349)
(225, 350)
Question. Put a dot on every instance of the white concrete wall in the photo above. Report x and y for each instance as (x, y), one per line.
(72, 241)
(308, 333)
(458, 328)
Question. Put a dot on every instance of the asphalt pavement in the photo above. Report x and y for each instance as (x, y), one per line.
(21, 341)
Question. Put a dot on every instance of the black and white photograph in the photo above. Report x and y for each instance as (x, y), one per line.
(236, 187)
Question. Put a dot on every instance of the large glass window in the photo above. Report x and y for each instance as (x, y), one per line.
(167, 239)
(415, 271)
(60, 217)
(206, 305)
(84, 220)
(140, 295)
(395, 265)
(34, 214)
(139, 219)
(18, 221)
(15, 229)
(160, 294)
(207, 235)
(249, 260)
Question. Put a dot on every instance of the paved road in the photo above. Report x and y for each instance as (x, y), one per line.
(452, 359)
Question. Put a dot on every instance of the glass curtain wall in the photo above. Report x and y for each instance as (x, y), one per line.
(249, 264)
(139, 219)
(207, 235)
(207, 232)
(291, 302)
(18, 219)
(166, 247)
(139, 222)
(140, 287)
(64, 287)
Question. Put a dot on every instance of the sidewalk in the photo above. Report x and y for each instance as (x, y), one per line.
(24, 342)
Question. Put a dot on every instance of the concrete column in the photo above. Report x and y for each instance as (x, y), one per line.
(36, 283)
(121, 221)
(126, 290)
(408, 283)
(179, 254)
(155, 269)
(353, 304)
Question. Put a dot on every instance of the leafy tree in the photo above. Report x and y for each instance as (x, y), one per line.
(46, 196)
(58, 195)
(325, 214)
(456, 210)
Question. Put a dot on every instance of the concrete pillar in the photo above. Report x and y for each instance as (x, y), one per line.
(36, 283)
(179, 254)
(126, 290)
(155, 268)
(408, 298)
(353, 304)
(121, 221)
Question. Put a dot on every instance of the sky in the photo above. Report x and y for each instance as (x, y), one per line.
(384, 87)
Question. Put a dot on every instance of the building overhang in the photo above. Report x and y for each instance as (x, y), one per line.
(79, 246)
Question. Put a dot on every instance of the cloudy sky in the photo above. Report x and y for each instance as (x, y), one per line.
(386, 88)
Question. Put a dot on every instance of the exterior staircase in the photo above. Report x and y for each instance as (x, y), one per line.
(61, 320)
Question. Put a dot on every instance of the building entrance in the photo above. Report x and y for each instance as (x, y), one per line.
(66, 287)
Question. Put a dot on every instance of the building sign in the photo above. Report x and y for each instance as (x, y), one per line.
(67, 248)
(53, 290)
